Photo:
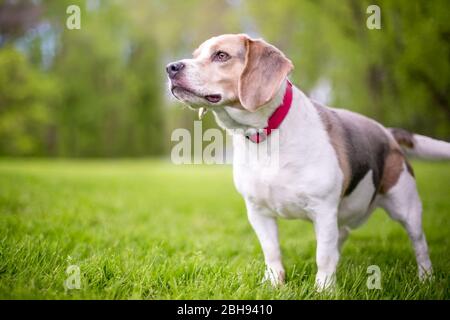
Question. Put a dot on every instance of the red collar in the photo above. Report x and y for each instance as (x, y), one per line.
(276, 118)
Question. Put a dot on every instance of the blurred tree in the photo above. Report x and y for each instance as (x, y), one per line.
(17, 17)
(100, 90)
(110, 90)
(25, 99)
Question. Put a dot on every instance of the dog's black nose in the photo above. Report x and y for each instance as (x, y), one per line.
(173, 69)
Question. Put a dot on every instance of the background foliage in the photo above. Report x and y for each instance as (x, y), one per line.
(100, 91)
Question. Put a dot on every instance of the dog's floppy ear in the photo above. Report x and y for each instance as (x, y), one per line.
(265, 69)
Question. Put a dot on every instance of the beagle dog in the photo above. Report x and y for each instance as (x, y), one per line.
(334, 168)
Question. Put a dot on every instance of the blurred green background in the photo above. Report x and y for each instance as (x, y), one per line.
(101, 91)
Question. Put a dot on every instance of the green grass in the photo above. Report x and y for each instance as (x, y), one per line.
(150, 230)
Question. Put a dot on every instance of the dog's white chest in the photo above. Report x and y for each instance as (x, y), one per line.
(275, 190)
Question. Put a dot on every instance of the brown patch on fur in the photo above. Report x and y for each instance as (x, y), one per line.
(265, 69)
(403, 137)
(336, 133)
(361, 145)
(395, 159)
(392, 169)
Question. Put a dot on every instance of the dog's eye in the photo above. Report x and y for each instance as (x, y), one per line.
(221, 56)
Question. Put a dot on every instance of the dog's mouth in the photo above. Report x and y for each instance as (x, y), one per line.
(212, 98)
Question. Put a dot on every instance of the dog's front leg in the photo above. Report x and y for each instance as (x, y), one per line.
(327, 254)
(266, 229)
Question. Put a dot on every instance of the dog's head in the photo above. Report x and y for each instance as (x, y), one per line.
(229, 70)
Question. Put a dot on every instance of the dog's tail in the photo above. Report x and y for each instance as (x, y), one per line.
(420, 146)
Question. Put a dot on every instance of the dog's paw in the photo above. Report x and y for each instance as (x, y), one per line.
(325, 282)
(275, 276)
(426, 274)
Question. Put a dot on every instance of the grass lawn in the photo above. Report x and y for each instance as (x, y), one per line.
(143, 229)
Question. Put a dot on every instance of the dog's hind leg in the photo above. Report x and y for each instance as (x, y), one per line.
(403, 204)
